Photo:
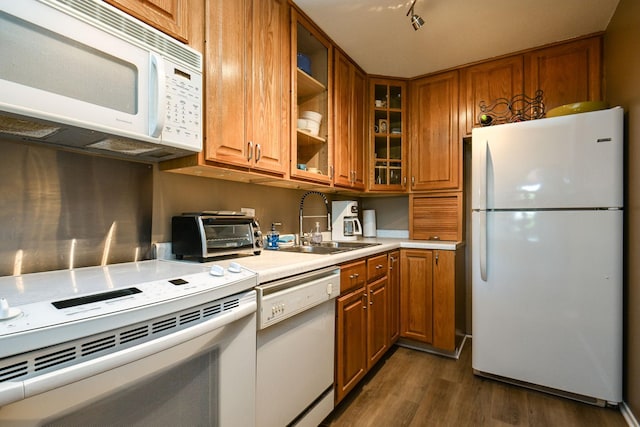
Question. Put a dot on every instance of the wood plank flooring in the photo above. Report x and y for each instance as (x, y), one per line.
(413, 388)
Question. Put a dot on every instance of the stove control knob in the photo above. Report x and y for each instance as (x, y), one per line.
(234, 267)
(7, 312)
(216, 270)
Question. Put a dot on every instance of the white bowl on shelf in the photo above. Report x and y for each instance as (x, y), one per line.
(309, 126)
(314, 128)
(312, 115)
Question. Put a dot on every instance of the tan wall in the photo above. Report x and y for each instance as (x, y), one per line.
(175, 194)
(392, 213)
(622, 75)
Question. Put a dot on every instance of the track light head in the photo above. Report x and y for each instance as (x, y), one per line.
(416, 21)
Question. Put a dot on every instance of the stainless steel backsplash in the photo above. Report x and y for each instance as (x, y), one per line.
(61, 210)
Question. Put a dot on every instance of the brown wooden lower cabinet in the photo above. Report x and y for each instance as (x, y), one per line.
(408, 293)
(377, 321)
(351, 341)
(362, 319)
(416, 295)
(394, 296)
(432, 296)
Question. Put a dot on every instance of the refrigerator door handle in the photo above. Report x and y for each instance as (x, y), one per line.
(483, 245)
(484, 169)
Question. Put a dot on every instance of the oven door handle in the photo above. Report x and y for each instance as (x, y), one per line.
(13, 391)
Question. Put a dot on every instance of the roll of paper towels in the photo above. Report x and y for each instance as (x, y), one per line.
(369, 220)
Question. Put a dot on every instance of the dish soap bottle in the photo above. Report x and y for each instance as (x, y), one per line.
(273, 236)
(316, 234)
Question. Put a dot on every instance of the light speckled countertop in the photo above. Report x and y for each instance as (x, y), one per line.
(274, 265)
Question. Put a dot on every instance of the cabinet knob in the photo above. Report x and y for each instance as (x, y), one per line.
(379, 266)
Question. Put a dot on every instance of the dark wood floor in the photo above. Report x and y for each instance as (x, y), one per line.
(413, 388)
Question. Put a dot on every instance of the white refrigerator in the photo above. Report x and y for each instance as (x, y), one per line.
(547, 246)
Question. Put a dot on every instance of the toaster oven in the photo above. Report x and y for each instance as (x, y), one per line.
(211, 234)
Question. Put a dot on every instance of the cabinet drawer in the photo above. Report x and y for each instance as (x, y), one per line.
(352, 276)
(377, 266)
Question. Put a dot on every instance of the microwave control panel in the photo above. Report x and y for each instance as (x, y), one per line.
(183, 103)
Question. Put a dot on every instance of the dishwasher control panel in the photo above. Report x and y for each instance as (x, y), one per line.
(285, 299)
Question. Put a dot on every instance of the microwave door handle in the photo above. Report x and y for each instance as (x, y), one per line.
(156, 95)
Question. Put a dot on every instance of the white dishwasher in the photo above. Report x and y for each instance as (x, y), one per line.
(295, 349)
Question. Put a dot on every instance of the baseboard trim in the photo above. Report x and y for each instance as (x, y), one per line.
(415, 345)
(631, 420)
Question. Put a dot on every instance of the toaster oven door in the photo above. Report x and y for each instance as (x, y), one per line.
(228, 237)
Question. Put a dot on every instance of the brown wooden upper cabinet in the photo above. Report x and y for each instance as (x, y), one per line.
(502, 78)
(168, 16)
(312, 57)
(388, 130)
(566, 73)
(349, 143)
(435, 146)
(247, 84)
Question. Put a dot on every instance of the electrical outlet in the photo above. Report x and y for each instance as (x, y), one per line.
(163, 250)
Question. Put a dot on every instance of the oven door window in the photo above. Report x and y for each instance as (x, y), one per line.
(186, 392)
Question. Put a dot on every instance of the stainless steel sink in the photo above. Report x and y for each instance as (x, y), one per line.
(327, 247)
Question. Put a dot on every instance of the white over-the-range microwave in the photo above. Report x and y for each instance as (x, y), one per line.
(83, 74)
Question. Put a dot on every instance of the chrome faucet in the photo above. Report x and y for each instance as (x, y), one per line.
(326, 202)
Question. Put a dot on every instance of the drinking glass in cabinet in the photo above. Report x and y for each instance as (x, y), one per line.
(395, 97)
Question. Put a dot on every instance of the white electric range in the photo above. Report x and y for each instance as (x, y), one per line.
(91, 334)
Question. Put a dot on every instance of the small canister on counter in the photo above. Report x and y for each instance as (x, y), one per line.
(272, 237)
(369, 223)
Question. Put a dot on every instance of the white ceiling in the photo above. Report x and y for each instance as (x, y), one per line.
(378, 35)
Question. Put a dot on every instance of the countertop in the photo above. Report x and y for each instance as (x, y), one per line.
(273, 264)
(270, 265)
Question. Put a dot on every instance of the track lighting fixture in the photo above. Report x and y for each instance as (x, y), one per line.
(416, 20)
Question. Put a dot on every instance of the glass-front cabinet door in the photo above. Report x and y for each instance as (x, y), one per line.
(311, 149)
(388, 153)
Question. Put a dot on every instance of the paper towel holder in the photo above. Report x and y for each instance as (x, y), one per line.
(369, 223)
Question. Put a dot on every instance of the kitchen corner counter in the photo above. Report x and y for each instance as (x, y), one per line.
(274, 265)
